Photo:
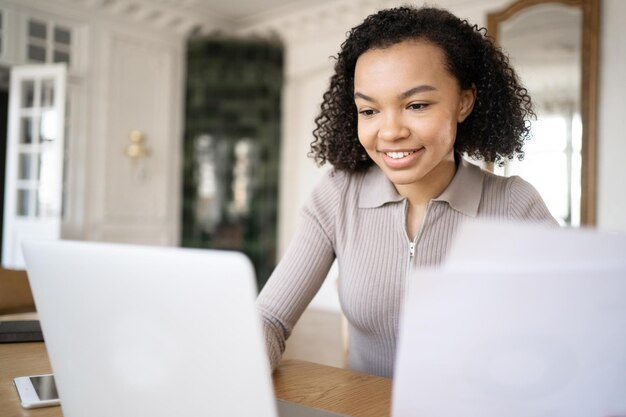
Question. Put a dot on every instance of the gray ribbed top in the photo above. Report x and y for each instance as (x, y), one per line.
(360, 220)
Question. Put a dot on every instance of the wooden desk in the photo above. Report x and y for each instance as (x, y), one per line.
(340, 390)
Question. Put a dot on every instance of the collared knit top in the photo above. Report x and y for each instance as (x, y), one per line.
(360, 219)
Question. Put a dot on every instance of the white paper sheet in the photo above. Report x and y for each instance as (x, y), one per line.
(517, 339)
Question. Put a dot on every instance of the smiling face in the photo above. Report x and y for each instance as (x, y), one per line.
(408, 108)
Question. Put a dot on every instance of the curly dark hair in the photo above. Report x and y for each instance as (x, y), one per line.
(494, 131)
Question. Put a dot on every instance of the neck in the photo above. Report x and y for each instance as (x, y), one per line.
(431, 186)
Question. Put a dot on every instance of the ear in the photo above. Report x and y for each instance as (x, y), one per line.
(466, 105)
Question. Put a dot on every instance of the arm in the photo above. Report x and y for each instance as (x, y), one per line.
(292, 286)
(301, 272)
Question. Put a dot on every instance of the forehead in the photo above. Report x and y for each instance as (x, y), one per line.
(408, 59)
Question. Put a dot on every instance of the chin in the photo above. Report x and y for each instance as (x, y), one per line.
(403, 178)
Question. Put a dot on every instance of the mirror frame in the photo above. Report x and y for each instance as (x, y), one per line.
(589, 91)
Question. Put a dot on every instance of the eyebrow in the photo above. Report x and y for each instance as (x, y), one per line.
(401, 96)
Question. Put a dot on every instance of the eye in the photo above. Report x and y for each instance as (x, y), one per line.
(417, 106)
(367, 112)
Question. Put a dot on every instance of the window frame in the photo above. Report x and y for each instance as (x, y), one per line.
(78, 43)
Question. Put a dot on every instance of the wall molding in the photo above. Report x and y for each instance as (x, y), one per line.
(177, 16)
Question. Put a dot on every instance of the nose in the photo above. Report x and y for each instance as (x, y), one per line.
(393, 127)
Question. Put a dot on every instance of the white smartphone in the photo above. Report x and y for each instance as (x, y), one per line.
(37, 391)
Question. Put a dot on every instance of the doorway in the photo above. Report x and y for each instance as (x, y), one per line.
(232, 147)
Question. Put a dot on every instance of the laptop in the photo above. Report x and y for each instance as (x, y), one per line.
(521, 321)
(152, 331)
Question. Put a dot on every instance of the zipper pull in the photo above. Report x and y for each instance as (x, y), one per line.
(411, 249)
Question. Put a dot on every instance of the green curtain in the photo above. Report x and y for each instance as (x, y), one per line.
(232, 147)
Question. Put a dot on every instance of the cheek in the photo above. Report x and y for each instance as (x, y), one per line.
(366, 137)
(437, 130)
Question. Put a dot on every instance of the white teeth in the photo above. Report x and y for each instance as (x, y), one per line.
(397, 155)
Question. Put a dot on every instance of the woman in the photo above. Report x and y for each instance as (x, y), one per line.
(413, 89)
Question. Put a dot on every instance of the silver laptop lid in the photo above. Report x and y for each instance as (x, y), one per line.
(150, 331)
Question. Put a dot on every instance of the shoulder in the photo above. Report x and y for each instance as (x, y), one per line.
(335, 189)
(521, 190)
(518, 199)
(526, 204)
(512, 188)
(333, 181)
(332, 186)
(332, 201)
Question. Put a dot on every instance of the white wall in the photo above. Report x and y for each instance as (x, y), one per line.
(612, 117)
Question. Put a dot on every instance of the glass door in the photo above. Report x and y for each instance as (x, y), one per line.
(35, 154)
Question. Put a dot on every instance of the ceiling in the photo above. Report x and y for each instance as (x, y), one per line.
(239, 11)
(236, 10)
(203, 16)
